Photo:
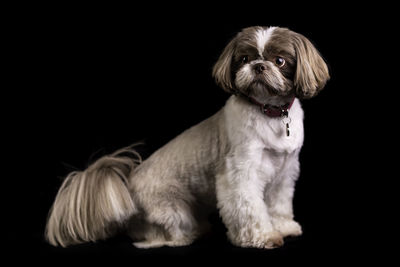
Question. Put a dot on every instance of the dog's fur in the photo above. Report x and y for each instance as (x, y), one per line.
(239, 160)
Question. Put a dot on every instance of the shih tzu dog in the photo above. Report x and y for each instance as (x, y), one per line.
(243, 161)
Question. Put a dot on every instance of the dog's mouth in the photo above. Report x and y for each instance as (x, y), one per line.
(258, 84)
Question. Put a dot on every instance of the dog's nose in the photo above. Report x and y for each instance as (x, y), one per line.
(259, 68)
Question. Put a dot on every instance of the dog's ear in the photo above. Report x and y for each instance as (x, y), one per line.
(311, 71)
(222, 68)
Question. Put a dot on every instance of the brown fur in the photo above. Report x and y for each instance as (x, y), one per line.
(311, 72)
(305, 70)
(240, 44)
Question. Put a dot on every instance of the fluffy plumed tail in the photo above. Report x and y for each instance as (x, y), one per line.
(92, 204)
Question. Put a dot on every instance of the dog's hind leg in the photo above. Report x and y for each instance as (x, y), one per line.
(152, 236)
(168, 224)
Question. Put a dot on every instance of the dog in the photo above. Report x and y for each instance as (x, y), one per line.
(243, 160)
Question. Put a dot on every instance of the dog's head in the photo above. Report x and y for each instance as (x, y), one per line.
(264, 62)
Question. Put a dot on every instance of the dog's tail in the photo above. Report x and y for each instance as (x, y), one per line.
(92, 204)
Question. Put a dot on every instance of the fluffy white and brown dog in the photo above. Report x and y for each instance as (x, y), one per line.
(243, 161)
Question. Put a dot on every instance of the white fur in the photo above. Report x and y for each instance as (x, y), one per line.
(245, 75)
(262, 37)
(239, 160)
(255, 193)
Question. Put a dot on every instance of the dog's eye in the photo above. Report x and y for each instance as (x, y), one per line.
(245, 59)
(279, 61)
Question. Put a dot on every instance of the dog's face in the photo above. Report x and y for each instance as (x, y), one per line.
(271, 62)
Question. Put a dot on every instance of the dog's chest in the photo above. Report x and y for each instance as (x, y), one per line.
(247, 125)
(278, 138)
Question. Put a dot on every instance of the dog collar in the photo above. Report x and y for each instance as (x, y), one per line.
(273, 111)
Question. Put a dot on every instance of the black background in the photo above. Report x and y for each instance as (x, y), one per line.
(87, 80)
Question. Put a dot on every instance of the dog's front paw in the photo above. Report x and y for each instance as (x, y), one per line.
(287, 227)
(273, 240)
(268, 240)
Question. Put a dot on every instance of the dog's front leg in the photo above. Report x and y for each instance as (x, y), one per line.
(279, 197)
(242, 208)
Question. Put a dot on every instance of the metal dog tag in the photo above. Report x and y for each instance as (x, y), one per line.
(286, 121)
